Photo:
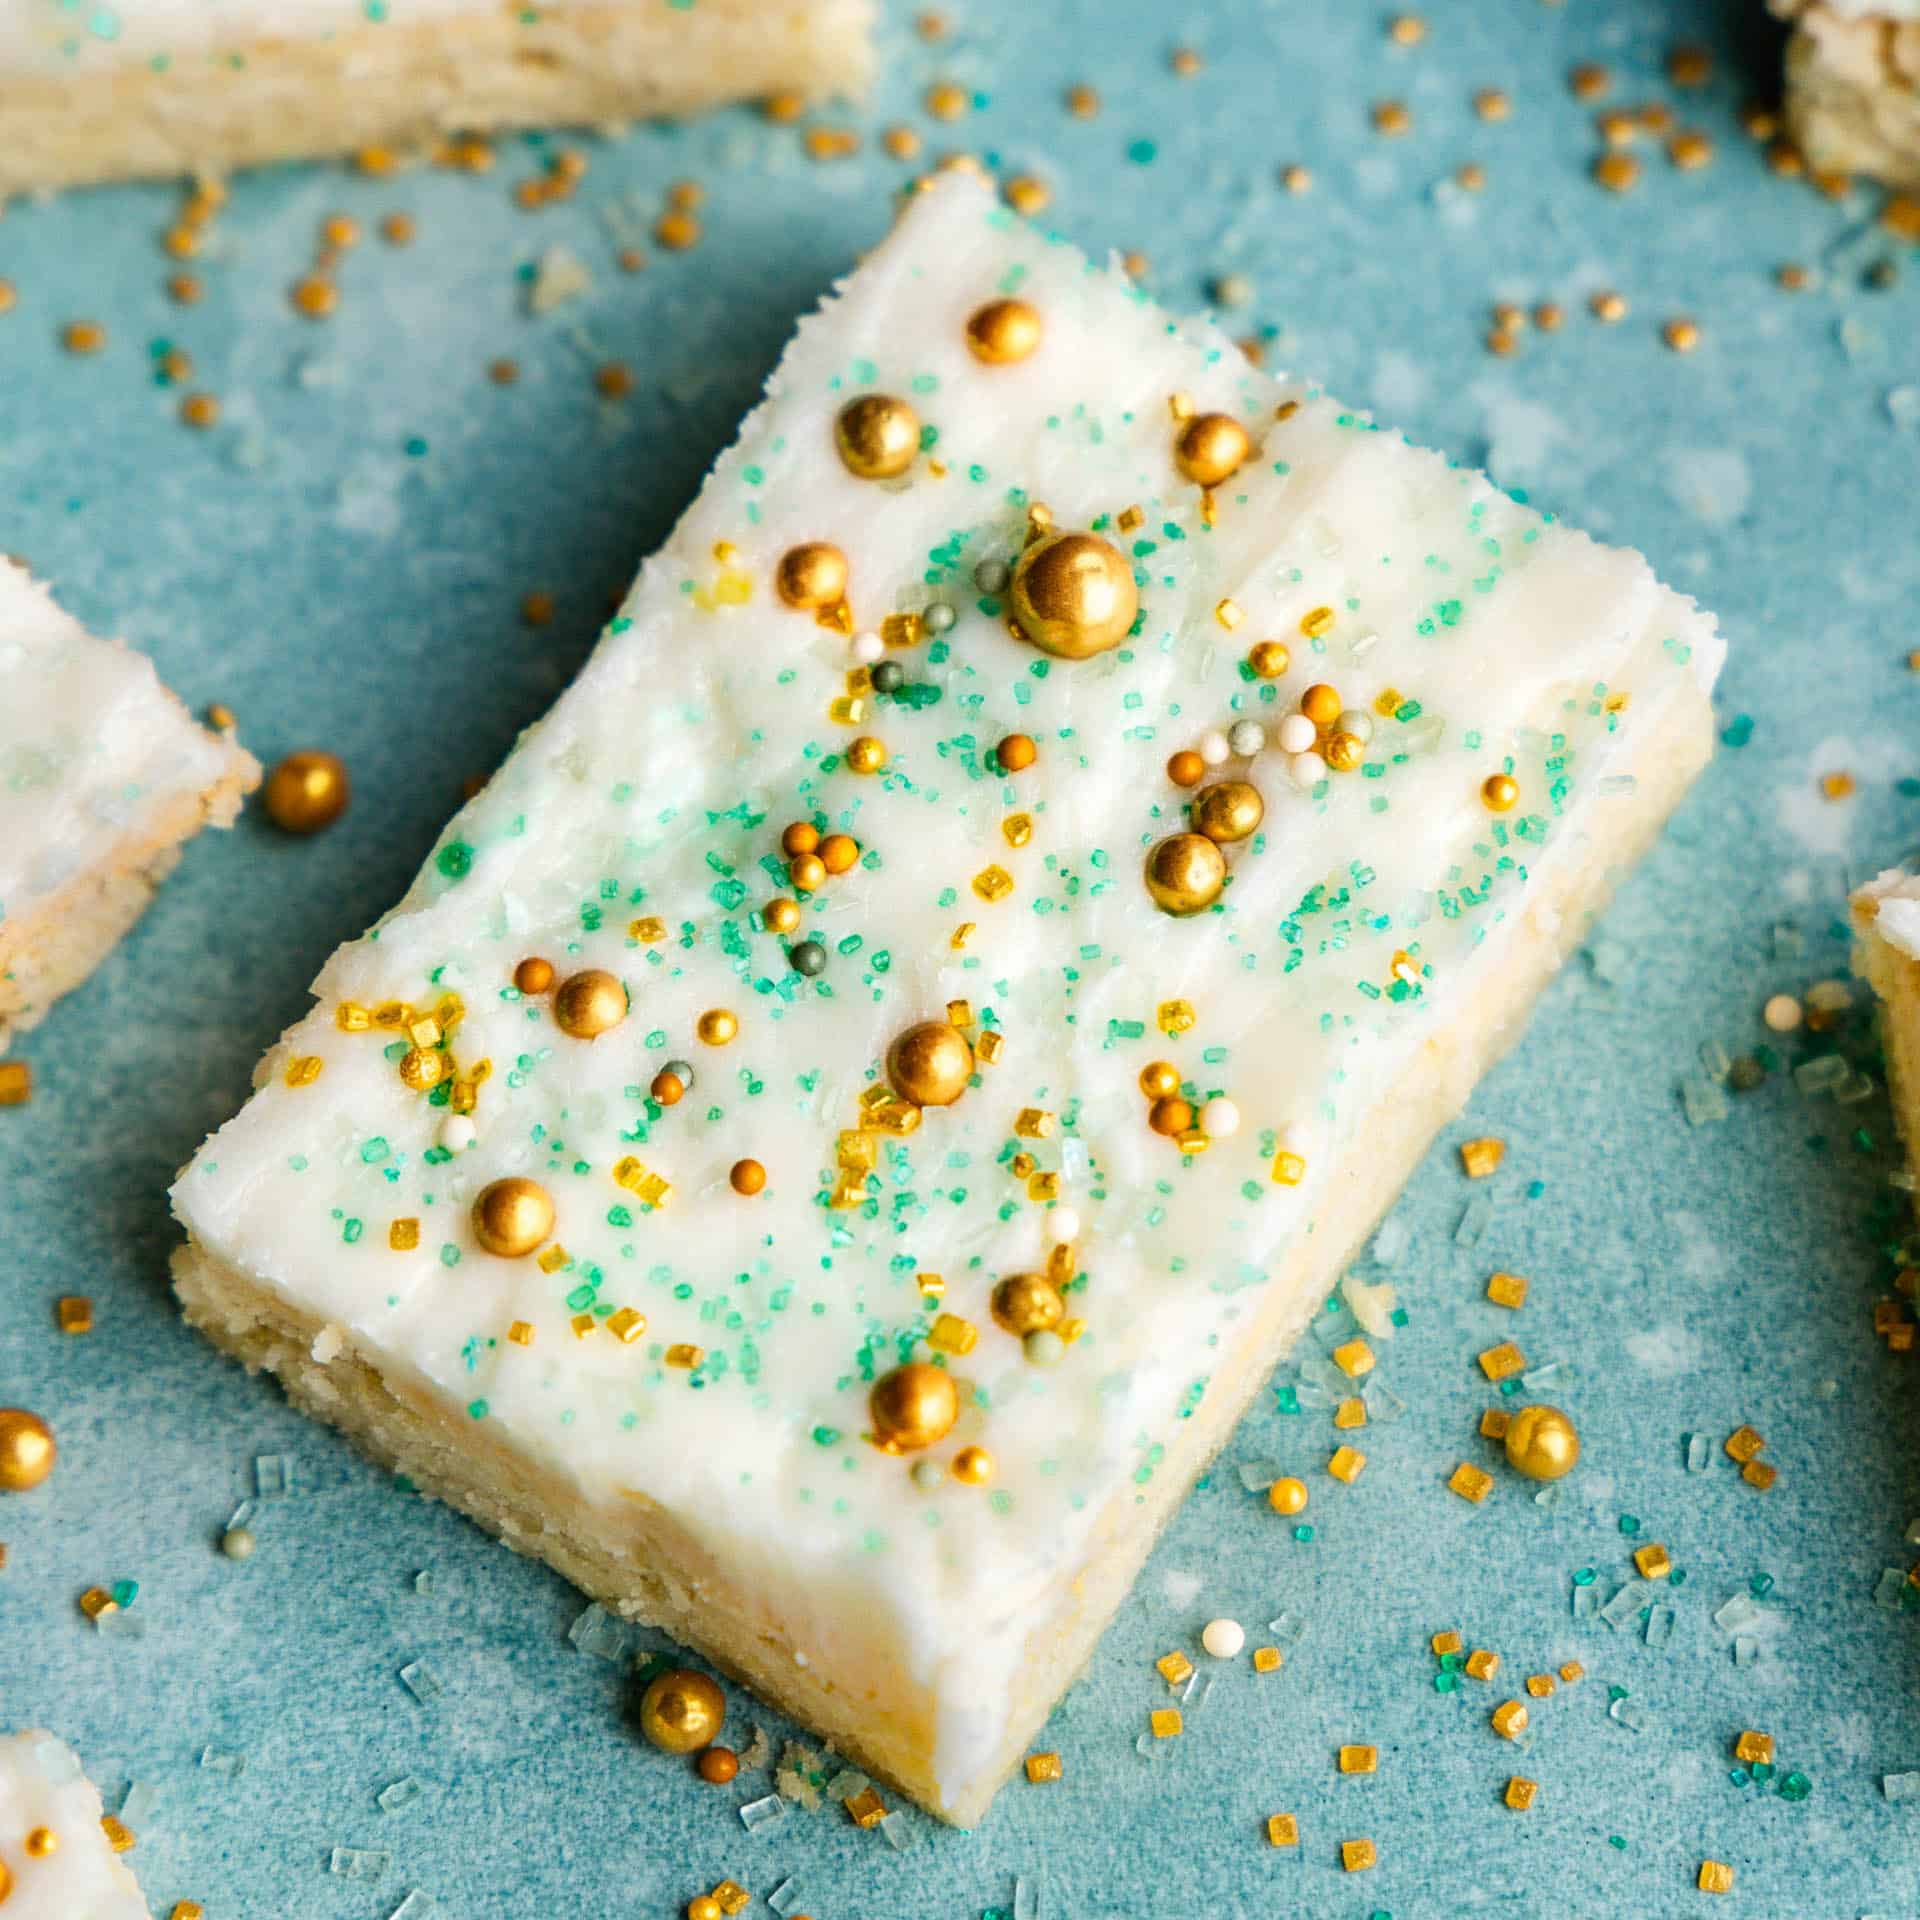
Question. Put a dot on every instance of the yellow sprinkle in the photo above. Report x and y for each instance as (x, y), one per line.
(1510, 1719)
(1482, 1664)
(1174, 1668)
(304, 1069)
(1283, 1830)
(1572, 1673)
(648, 930)
(1759, 1473)
(682, 1355)
(627, 1325)
(404, 1235)
(1743, 1443)
(1288, 1169)
(1481, 1157)
(1539, 1685)
(1317, 622)
(582, 1325)
(521, 1333)
(1354, 1358)
(1653, 1561)
(951, 1334)
(96, 1602)
(1350, 1413)
(1469, 1482)
(73, 1313)
(1268, 1660)
(1715, 1877)
(120, 1837)
(552, 1259)
(1507, 1290)
(993, 883)
(1175, 1016)
(1494, 1423)
(1356, 1856)
(1754, 1749)
(1347, 1464)
(1502, 1362)
(1043, 1766)
(1229, 614)
(989, 1047)
(1359, 1759)
(1447, 1642)
(1017, 829)
(1165, 1721)
(1520, 1792)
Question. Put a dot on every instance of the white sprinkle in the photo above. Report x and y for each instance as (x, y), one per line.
(1355, 722)
(1247, 738)
(1307, 771)
(458, 1133)
(1782, 1013)
(867, 648)
(1220, 1119)
(1223, 1638)
(1062, 1225)
(1213, 747)
(1297, 734)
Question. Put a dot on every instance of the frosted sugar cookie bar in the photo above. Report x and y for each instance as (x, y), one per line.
(1853, 85)
(59, 1860)
(102, 776)
(839, 1129)
(1886, 915)
(155, 88)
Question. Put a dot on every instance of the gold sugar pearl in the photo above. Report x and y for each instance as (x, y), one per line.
(780, 915)
(1269, 658)
(1391, 118)
(41, 1843)
(1025, 1303)
(307, 791)
(972, 1466)
(1288, 1496)
(717, 1026)
(913, 1407)
(1322, 704)
(1016, 752)
(747, 1177)
(682, 1711)
(513, 1216)
(666, 1089)
(839, 852)
(1073, 595)
(866, 754)
(533, 975)
(1211, 448)
(422, 1068)
(1170, 1115)
(1500, 792)
(27, 1450)
(200, 410)
(930, 1064)
(1185, 873)
(83, 336)
(589, 1003)
(1345, 751)
(1229, 811)
(808, 872)
(1159, 1078)
(315, 297)
(1681, 335)
(877, 437)
(1607, 307)
(812, 575)
(1186, 768)
(1003, 332)
(801, 836)
(677, 231)
(1541, 1443)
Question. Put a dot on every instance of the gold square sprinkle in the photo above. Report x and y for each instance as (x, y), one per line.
(1520, 1793)
(16, 1083)
(1502, 1362)
(989, 1047)
(1539, 1685)
(1175, 1016)
(866, 1808)
(993, 883)
(1346, 1464)
(681, 1354)
(1754, 1749)
(1470, 1482)
(1510, 1719)
(97, 1601)
(1507, 1289)
(731, 1897)
(1743, 1443)
(120, 1837)
(952, 1334)
(1759, 1473)
(73, 1313)
(1283, 1830)
(1034, 1123)
(1043, 1766)
(1572, 1673)
(1165, 1722)
(1268, 1659)
(1715, 1877)
(627, 1325)
(1482, 1664)
(1482, 1157)
(1174, 1668)
(403, 1235)
(1356, 1856)
(1354, 1358)
(1494, 1423)
(1350, 1413)
(1445, 1643)
(521, 1333)
(1359, 1759)
(1653, 1560)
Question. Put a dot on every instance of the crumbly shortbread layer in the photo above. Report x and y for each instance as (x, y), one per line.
(56, 1863)
(1853, 86)
(244, 82)
(103, 774)
(704, 1356)
(1886, 915)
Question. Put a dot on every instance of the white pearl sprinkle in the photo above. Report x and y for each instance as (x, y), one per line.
(1307, 771)
(1296, 1136)
(457, 1133)
(1220, 1119)
(1297, 734)
(1782, 1013)
(1223, 1638)
(1355, 722)
(1213, 747)
(1062, 1225)
(867, 648)
(1247, 738)
(927, 1475)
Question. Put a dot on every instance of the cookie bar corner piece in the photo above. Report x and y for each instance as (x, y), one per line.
(103, 776)
(850, 1116)
(168, 88)
(59, 1856)
(1853, 87)
(1886, 919)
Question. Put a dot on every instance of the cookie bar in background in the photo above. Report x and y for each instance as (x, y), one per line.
(153, 89)
(840, 1128)
(1886, 915)
(1853, 86)
(103, 775)
(59, 1859)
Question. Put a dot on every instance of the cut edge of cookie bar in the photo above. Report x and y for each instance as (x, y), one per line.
(405, 88)
(1892, 968)
(1853, 90)
(637, 1562)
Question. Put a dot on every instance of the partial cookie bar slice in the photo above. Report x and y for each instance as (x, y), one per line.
(164, 88)
(1853, 86)
(103, 775)
(1886, 915)
(59, 1860)
(836, 1025)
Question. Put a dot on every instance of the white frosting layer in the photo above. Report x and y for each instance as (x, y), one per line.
(42, 1790)
(90, 745)
(659, 785)
(56, 36)
(1896, 897)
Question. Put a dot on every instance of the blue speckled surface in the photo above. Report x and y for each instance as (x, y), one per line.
(337, 588)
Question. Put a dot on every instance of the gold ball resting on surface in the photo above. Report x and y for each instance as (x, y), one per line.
(589, 1004)
(1229, 811)
(930, 1064)
(1185, 873)
(1288, 1496)
(533, 975)
(973, 1466)
(421, 1068)
(1345, 751)
(307, 791)
(877, 436)
(511, 1217)
(717, 1026)
(1073, 595)
(27, 1450)
(1211, 448)
(1500, 791)
(913, 1407)
(682, 1711)
(1541, 1443)
(1003, 331)
(1025, 1303)
(1159, 1078)
(812, 575)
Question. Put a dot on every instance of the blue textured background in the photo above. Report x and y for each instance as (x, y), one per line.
(342, 562)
